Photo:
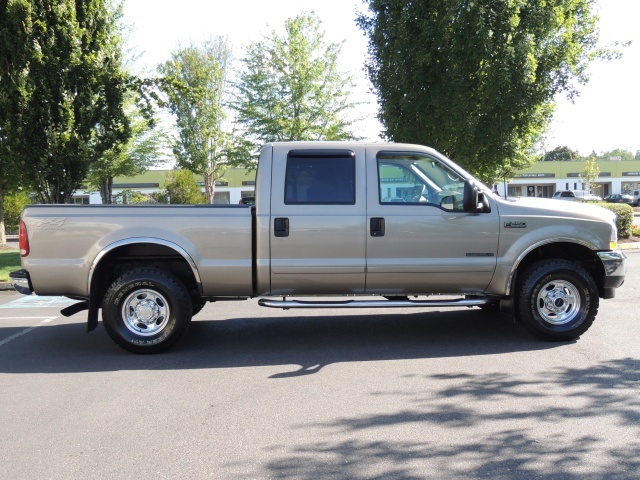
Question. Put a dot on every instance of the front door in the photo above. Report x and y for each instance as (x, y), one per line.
(420, 240)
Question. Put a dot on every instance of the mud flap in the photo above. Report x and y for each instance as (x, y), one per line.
(92, 320)
(75, 308)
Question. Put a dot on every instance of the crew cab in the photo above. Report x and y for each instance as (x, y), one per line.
(379, 224)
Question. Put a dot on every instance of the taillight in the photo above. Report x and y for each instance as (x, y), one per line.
(23, 240)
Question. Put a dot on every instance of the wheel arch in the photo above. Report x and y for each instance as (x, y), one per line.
(567, 250)
(145, 250)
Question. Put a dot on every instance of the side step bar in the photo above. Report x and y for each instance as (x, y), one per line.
(402, 303)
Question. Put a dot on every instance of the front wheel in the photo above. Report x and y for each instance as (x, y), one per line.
(146, 310)
(556, 299)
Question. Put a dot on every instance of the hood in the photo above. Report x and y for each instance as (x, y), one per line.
(557, 208)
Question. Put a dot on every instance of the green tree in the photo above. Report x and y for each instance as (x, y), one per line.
(15, 53)
(13, 205)
(561, 154)
(476, 80)
(180, 188)
(616, 154)
(69, 89)
(196, 85)
(130, 197)
(590, 173)
(131, 158)
(291, 87)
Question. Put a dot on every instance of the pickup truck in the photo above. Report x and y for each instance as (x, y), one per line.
(373, 224)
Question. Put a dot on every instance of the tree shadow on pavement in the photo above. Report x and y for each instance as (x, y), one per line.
(463, 418)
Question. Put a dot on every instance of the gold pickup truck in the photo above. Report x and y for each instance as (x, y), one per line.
(381, 224)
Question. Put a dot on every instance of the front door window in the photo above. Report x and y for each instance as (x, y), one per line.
(417, 179)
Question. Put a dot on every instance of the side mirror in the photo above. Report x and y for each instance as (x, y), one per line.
(470, 197)
(473, 200)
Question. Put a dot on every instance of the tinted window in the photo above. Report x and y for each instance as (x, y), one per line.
(320, 178)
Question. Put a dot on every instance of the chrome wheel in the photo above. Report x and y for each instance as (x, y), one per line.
(145, 312)
(558, 302)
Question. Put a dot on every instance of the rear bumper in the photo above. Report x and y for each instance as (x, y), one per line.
(21, 282)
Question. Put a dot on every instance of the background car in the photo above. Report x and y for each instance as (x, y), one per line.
(576, 195)
(636, 197)
(619, 198)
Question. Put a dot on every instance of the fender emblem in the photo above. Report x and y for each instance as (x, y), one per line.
(515, 224)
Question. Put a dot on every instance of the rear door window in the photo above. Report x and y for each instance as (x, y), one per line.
(324, 177)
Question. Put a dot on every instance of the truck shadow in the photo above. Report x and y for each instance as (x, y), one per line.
(308, 342)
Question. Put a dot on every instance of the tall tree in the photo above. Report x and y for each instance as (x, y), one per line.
(590, 173)
(69, 92)
(477, 79)
(14, 58)
(561, 154)
(291, 87)
(195, 83)
(133, 157)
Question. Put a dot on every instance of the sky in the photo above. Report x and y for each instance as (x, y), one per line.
(605, 116)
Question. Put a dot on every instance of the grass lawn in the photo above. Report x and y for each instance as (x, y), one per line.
(9, 262)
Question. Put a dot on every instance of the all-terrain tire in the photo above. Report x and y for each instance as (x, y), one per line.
(146, 310)
(556, 299)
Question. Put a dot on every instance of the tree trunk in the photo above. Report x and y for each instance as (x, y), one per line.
(106, 190)
(209, 185)
(3, 236)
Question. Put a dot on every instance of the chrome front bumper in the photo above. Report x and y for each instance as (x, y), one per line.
(614, 263)
(21, 281)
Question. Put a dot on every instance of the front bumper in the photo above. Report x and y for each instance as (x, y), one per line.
(614, 263)
(21, 281)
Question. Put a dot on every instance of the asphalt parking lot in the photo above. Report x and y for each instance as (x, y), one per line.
(260, 393)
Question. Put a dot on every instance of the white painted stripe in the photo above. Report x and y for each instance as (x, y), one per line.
(27, 330)
(35, 301)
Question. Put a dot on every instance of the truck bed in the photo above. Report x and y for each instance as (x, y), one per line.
(67, 241)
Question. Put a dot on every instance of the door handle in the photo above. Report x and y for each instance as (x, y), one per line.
(281, 227)
(377, 227)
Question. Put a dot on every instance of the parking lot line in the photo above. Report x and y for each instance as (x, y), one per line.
(27, 330)
(35, 301)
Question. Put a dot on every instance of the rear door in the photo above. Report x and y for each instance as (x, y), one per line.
(420, 240)
(318, 220)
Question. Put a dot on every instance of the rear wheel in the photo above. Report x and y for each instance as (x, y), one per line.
(556, 299)
(146, 310)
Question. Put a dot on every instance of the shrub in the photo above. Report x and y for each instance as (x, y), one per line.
(13, 205)
(130, 197)
(180, 187)
(624, 217)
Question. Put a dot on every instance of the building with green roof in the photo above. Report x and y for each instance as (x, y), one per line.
(542, 179)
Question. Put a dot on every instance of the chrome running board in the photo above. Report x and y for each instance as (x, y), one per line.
(403, 303)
